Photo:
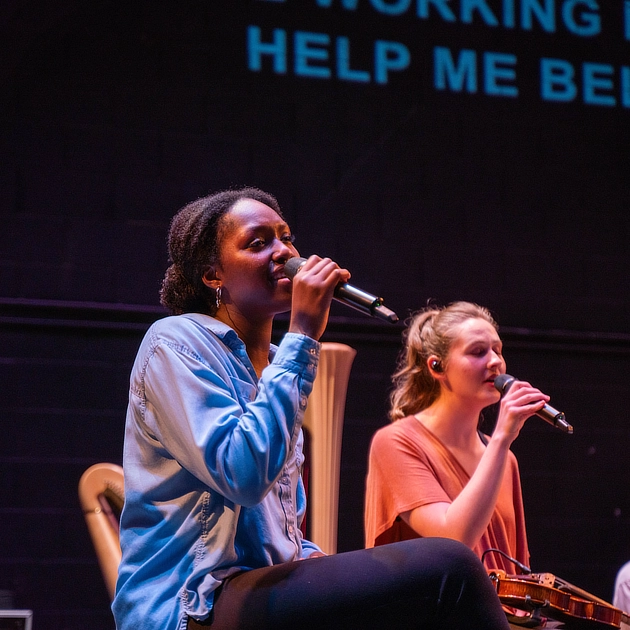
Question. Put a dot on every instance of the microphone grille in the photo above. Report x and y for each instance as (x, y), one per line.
(292, 266)
(503, 382)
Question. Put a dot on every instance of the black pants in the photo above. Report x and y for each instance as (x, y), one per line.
(427, 584)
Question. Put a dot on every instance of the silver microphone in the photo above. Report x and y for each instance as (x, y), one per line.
(349, 295)
(556, 418)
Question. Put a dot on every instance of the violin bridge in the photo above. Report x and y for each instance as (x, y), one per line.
(546, 579)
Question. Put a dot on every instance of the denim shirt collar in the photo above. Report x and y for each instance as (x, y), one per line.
(230, 338)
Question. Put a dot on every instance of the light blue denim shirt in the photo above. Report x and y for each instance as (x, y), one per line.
(212, 462)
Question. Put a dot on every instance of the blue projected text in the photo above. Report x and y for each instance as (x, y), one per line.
(318, 56)
(491, 73)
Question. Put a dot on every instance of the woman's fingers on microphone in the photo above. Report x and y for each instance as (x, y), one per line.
(325, 270)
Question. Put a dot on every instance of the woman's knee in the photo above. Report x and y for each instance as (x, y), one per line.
(444, 552)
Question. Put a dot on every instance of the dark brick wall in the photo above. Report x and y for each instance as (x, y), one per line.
(62, 409)
(64, 375)
(113, 115)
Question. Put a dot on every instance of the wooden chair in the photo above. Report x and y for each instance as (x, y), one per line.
(101, 492)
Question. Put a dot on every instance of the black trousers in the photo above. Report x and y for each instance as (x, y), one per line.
(426, 584)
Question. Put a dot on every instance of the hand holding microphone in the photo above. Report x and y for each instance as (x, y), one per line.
(349, 295)
(556, 418)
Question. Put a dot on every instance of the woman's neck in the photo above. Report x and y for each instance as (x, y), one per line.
(256, 335)
(454, 424)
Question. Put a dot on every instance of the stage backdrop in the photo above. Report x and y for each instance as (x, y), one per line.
(439, 149)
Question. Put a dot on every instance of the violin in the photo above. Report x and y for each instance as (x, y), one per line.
(544, 595)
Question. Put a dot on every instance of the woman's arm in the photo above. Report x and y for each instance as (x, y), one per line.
(467, 517)
(234, 437)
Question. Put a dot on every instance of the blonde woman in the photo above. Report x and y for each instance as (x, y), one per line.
(432, 473)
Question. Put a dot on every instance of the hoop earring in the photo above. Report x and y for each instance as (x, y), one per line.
(217, 297)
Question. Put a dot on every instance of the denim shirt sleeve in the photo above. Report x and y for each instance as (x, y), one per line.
(207, 412)
(212, 461)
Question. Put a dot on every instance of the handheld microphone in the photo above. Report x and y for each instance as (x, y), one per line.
(349, 295)
(503, 382)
